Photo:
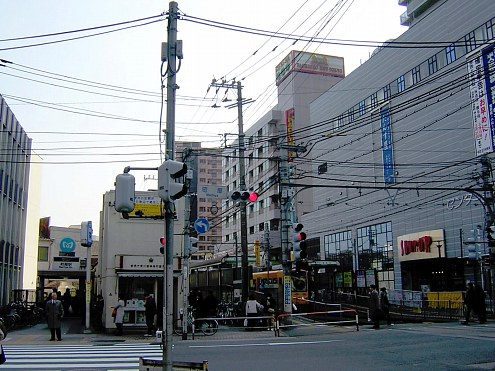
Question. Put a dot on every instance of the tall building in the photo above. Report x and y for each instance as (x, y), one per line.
(301, 77)
(404, 176)
(15, 159)
(206, 165)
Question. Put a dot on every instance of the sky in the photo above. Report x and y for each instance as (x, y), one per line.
(92, 105)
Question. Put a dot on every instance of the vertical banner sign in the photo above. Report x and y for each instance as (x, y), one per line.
(289, 120)
(257, 252)
(489, 64)
(483, 135)
(387, 146)
(287, 294)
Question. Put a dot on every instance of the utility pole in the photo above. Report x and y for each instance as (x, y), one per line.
(187, 250)
(242, 183)
(168, 277)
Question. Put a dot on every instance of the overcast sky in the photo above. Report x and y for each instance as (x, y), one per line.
(92, 105)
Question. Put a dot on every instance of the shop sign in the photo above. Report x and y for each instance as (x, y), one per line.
(66, 263)
(421, 245)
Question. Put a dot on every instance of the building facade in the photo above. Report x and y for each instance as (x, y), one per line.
(301, 77)
(403, 180)
(15, 158)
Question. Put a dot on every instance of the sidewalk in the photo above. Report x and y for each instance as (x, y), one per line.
(73, 334)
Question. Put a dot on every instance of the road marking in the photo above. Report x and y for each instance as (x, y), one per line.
(264, 344)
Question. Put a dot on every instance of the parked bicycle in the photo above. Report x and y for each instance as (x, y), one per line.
(207, 326)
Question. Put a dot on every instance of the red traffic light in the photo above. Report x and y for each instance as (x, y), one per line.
(253, 197)
(301, 236)
(162, 240)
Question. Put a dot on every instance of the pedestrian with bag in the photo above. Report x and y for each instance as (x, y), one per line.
(54, 313)
(385, 305)
(253, 308)
(469, 302)
(374, 307)
(118, 317)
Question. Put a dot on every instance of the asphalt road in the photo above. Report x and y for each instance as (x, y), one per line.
(401, 347)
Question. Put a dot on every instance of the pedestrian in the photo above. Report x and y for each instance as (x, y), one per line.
(211, 304)
(67, 301)
(54, 313)
(253, 308)
(374, 307)
(479, 303)
(119, 317)
(385, 305)
(150, 312)
(3, 335)
(469, 302)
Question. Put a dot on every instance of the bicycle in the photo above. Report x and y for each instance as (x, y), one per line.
(207, 326)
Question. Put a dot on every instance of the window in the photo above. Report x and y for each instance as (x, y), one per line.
(490, 33)
(374, 100)
(432, 65)
(227, 238)
(202, 161)
(337, 243)
(387, 92)
(261, 227)
(260, 168)
(470, 41)
(340, 120)
(42, 253)
(401, 84)
(416, 74)
(350, 114)
(250, 159)
(251, 230)
(375, 247)
(260, 151)
(450, 54)
(362, 108)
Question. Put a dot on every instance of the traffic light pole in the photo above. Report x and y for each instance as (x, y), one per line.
(285, 220)
(168, 278)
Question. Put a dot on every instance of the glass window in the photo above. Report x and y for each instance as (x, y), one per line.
(350, 114)
(432, 65)
(470, 41)
(450, 54)
(416, 74)
(42, 253)
(375, 247)
(362, 107)
(374, 100)
(401, 84)
(136, 287)
(490, 32)
(387, 92)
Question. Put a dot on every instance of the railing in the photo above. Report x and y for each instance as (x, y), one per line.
(331, 317)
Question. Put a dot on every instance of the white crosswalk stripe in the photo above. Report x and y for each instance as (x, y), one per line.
(78, 357)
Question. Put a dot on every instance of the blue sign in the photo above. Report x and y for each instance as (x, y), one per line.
(201, 225)
(67, 245)
(387, 146)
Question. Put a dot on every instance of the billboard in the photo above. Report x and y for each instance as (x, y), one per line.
(320, 64)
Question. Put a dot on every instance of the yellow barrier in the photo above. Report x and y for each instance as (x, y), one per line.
(445, 300)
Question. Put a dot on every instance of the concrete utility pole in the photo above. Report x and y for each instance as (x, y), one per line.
(168, 277)
(242, 184)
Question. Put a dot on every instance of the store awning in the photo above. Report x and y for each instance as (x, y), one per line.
(140, 274)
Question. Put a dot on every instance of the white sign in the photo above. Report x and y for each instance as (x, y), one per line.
(421, 245)
(66, 263)
(212, 192)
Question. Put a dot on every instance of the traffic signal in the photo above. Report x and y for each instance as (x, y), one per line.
(124, 193)
(169, 189)
(86, 234)
(244, 196)
(162, 243)
(472, 245)
(490, 234)
(192, 246)
(299, 244)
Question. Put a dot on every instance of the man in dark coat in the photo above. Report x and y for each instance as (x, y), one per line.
(149, 312)
(374, 307)
(54, 313)
(469, 301)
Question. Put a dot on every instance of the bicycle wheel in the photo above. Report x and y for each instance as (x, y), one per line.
(208, 327)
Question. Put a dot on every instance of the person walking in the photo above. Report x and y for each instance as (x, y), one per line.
(469, 302)
(252, 310)
(479, 303)
(374, 307)
(67, 301)
(119, 317)
(150, 312)
(385, 305)
(54, 313)
(211, 304)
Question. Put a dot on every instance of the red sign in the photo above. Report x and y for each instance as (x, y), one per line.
(421, 245)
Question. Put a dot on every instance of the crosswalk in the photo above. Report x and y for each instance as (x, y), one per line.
(106, 357)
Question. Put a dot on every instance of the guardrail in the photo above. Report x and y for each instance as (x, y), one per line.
(317, 319)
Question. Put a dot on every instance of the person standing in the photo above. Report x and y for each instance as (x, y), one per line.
(119, 317)
(54, 313)
(469, 302)
(211, 304)
(385, 305)
(374, 307)
(150, 312)
(67, 301)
